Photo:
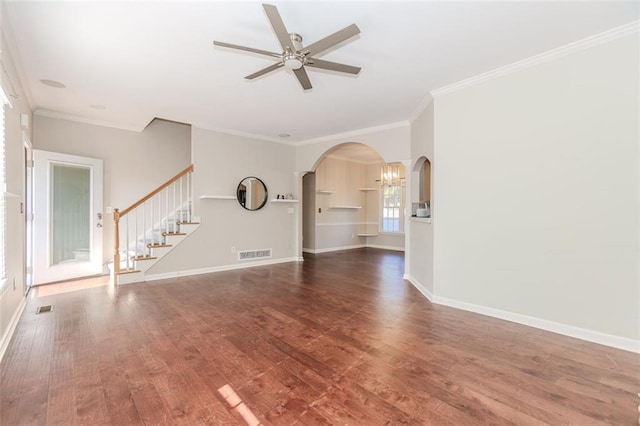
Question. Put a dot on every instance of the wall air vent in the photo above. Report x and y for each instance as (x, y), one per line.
(254, 254)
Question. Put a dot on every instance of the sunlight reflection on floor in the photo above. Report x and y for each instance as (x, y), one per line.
(69, 286)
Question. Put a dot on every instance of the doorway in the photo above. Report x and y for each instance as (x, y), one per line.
(67, 217)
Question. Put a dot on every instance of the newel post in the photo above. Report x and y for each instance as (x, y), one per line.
(116, 245)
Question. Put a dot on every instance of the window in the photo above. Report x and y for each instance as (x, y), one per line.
(393, 198)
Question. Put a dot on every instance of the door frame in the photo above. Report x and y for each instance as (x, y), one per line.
(43, 271)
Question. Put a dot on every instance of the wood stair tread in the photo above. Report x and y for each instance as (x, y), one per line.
(188, 223)
(128, 271)
(168, 234)
(144, 258)
(159, 245)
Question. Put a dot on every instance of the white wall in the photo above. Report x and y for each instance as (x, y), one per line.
(12, 297)
(536, 192)
(220, 162)
(135, 163)
(420, 252)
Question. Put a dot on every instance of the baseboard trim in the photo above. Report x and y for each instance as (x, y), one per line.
(330, 249)
(189, 272)
(419, 286)
(377, 246)
(610, 340)
(6, 338)
(555, 327)
(356, 246)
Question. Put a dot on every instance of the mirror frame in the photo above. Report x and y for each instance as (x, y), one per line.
(266, 194)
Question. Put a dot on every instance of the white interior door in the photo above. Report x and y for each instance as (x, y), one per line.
(67, 212)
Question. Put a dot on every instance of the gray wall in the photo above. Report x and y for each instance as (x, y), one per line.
(221, 161)
(536, 191)
(135, 163)
(420, 232)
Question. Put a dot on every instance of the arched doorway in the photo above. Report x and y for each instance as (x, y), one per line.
(344, 200)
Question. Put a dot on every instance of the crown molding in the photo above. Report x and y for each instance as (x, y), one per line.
(595, 40)
(84, 120)
(423, 105)
(241, 133)
(358, 132)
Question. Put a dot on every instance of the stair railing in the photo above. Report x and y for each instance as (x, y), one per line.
(148, 221)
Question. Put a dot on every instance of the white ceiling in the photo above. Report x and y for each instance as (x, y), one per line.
(156, 59)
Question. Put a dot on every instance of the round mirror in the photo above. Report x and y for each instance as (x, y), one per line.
(252, 193)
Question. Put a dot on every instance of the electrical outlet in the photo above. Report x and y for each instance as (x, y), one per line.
(319, 209)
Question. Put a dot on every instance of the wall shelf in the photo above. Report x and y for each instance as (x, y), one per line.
(367, 189)
(421, 219)
(324, 191)
(345, 207)
(368, 235)
(218, 197)
(279, 200)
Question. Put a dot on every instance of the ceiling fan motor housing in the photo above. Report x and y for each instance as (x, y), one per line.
(293, 60)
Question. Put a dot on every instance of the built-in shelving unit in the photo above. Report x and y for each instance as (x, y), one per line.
(218, 197)
(324, 191)
(367, 189)
(279, 200)
(345, 207)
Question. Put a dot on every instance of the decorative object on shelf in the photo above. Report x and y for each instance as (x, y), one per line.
(252, 193)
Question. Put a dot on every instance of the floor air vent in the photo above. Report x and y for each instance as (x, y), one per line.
(43, 309)
(254, 254)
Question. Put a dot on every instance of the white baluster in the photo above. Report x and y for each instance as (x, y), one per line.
(181, 202)
(126, 246)
(144, 229)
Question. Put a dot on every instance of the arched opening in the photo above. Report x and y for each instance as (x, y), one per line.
(344, 200)
(421, 193)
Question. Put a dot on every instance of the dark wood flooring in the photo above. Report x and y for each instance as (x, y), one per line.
(337, 339)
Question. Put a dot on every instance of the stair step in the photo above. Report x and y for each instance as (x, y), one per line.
(168, 234)
(128, 271)
(137, 258)
(188, 223)
(159, 245)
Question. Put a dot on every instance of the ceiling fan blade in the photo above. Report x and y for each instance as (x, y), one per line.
(248, 49)
(278, 26)
(332, 66)
(303, 78)
(331, 40)
(265, 71)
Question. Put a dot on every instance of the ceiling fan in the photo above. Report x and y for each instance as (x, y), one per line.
(296, 57)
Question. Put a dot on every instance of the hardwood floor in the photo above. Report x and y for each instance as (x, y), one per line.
(337, 339)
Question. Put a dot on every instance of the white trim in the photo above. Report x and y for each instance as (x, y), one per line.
(243, 265)
(241, 133)
(11, 327)
(618, 342)
(421, 288)
(330, 249)
(559, 52)
(345, 223)
(84, 120)
(378, 246)
(352, 133)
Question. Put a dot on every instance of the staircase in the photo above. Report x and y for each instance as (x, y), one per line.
(152, 227)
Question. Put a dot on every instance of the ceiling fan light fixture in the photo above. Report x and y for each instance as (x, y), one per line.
(293, 62)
